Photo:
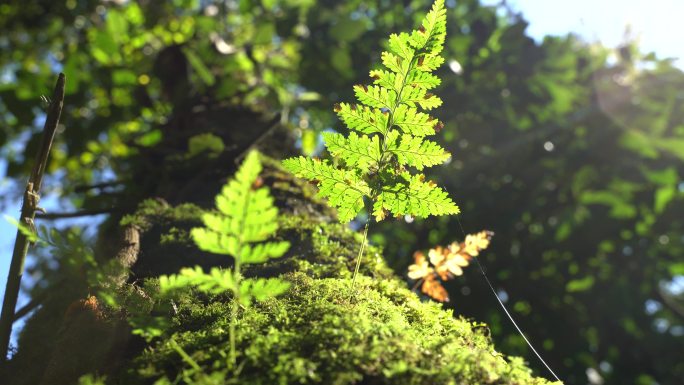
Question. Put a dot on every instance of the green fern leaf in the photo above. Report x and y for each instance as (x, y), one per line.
(246, 175)
(399, 45)
(414, 95)
(430, 101)
(263, 288)
(214, 242)
(423, 80)
(245, 218)
(344, 189)
(429, 63)
(362, 119)
(391, 61)
(431, 35)
(386, 79)
(416, 152)
(375, 96)
(216, 282)
(245, 215)
(392, 131)
(412, 196)
(413, 122)
(262, 252)
(357, 151)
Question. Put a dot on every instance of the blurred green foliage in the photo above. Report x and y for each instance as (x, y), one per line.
(571, 152)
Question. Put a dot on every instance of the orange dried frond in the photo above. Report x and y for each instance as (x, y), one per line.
(455, 263)
(446, 263)
(421, 268)
(434, 289)
(418, 257)
(474, 243)
(437, 255)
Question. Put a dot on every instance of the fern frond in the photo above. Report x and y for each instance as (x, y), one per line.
(429, 63)
(362, 119)
(245, 218)
(413, 122)
(214, 242)
(357, 151)
(423, 80)
(417, 152)
(246, 175)
(414, 95)
(387, 109)
(391, 61)
(431, 35)
(385, 79)
(344, 189)
(399, 45)
(412, 196)
(263, 288)
(245, 215)
(216, 282)
(375, 96)
(262, 252)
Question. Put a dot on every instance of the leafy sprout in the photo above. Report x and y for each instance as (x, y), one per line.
(244, 220)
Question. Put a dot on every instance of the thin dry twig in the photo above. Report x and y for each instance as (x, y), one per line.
(28, 213)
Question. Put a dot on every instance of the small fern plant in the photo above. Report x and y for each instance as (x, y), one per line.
(387, 136)
(245, 219)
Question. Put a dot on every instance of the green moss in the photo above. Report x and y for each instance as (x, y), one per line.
(322, 332)
(157, 211)
(176, 235)
(321, 250)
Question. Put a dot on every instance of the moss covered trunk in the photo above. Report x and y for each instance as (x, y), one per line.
(320, 332)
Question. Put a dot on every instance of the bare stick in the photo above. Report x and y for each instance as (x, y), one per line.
(28, 213)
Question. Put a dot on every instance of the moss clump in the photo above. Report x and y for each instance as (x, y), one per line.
(320, 250)
(322, 332)
(157, 212)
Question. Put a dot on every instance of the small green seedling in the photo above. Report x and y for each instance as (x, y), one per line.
(245, 219)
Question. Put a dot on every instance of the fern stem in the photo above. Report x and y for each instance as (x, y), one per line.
(236, 296)
(234, 307)
(236, 279)
(233, 317)
(185, 356)
(361, 248)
